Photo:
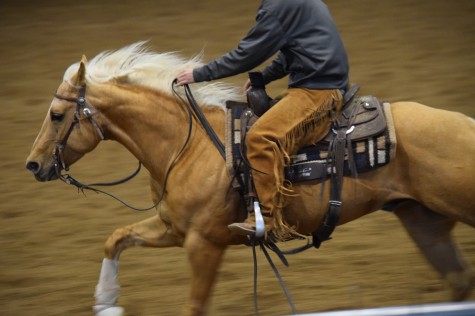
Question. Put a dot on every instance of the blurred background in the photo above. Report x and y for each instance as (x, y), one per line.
(51, 237)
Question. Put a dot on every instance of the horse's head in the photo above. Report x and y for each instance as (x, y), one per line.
(69, 130)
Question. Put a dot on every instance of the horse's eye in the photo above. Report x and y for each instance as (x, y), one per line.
(56, 117)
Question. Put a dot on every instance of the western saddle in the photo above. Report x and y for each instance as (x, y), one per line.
(362, 119)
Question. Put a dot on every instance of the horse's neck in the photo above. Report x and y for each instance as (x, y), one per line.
(150, 124)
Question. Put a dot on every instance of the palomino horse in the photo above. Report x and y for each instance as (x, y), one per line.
(126, 96)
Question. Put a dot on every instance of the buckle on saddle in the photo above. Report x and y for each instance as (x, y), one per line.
(335, 203)
(349, 131)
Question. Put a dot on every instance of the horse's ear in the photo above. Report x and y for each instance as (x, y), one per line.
(80, 77)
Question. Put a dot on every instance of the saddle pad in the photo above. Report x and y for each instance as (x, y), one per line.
(310, 163)
(232, 138)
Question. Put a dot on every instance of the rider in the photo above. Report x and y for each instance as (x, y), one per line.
(311, 52)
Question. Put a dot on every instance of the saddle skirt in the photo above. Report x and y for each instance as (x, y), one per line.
(365, 126)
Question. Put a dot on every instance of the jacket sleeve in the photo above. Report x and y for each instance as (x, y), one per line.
(275, 70)
(262, 41)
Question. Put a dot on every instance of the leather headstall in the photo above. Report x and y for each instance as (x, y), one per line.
(81, 106)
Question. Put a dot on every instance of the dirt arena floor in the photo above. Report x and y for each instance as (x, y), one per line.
(51, 238)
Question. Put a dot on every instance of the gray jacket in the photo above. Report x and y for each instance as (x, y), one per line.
(311, 50)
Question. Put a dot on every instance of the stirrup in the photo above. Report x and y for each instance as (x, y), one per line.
(260, 226)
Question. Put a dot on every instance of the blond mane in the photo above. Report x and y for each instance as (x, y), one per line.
(136, 64)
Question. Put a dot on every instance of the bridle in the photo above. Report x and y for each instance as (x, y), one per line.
(58, 155)
(81, 106)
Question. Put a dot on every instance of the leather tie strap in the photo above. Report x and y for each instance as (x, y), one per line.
(331, 218)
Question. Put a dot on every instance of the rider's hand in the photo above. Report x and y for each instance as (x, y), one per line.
(185, 77)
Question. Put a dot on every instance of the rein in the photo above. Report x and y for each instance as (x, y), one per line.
(193, 106)
(263, 244)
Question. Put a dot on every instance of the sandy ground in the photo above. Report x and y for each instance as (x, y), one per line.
(51, 238)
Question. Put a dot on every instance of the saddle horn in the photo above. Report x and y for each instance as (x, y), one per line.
(257, 97)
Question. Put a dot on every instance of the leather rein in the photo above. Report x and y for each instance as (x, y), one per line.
(192, 106)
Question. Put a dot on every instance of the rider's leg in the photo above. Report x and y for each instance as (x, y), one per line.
(301, 117)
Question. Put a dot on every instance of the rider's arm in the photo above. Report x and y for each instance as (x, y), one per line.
(262, 41)
(275, 70)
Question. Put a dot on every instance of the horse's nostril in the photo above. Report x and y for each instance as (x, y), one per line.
(33, 166)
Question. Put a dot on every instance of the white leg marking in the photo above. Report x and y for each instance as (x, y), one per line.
(107, 290)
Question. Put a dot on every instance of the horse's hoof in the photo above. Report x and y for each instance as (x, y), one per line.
(112, 311)
(461, 284)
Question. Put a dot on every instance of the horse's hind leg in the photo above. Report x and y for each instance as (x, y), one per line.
(432, 234)
(151, 232)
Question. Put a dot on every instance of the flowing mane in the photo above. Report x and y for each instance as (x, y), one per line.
(136, 64)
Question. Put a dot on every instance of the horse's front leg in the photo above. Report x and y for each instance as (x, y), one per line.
(205, 258)
(152, 232)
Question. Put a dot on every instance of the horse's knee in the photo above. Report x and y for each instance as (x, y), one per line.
(117, 242)
(461, 283)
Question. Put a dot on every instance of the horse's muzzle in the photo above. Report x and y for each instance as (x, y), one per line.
(41, 174)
